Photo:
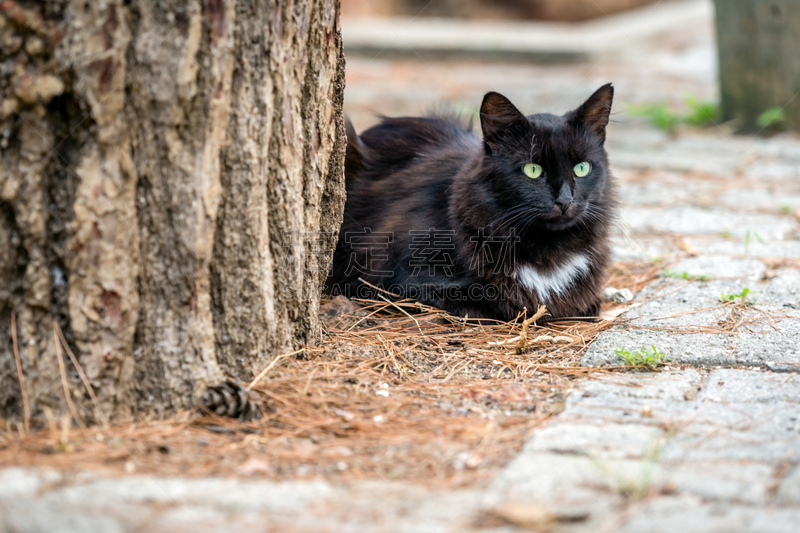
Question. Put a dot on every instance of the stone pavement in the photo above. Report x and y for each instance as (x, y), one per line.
(709, 444)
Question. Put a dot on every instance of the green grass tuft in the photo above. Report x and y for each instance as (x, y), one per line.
(701, 113)
(747, 236)
(771, 117)
(644, 357)
(731, 297)
(659, 115)
(683, 275)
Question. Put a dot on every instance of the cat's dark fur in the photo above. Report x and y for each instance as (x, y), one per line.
(436, 214)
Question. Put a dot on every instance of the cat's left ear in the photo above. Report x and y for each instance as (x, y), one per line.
(594, 112)
(499, 118)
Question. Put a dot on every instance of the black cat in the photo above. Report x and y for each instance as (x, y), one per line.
(481, 228)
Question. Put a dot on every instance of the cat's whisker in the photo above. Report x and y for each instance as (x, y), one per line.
(507, 222)
(509, 213)
(511, 225)
(594, 213)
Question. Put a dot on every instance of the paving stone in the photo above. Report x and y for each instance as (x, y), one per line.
(669, 296)
(25, 482)
(782, 291)
(673, 155)
(229, 505)
(737, 482)
(610, 408)
(774, 520)
(410, 508)
(678, 303)
(730, 482)
(720, 266)
(789, 489)
(749, 199)
(694, 220)
(205, 519)
(560, 480)
(597, 514)
(694, 349)
(763, 161)
(667, 386)
(231, 494)
(576, 432)
(642, 248)
(741, 386)
(664, 189)
(690, 515)
(30, 516)
(773, 321)
(782, 148)
(758, 432)
(734, 247)
(549, 477)
(777, 351)
(584, 438)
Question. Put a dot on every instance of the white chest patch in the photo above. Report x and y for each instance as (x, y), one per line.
(555, 282)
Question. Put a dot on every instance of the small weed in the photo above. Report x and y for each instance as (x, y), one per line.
(642, 358)
(701, 113)
(747, 236)
(731, 297)
(726, 234)
(633, 485)
(636, 488)
(771, 117)
(786, 209)
(658, 114)
(683, 275)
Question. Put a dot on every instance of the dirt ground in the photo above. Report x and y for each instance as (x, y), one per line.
(395, 389)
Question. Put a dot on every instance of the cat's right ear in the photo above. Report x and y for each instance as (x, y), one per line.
(498, 116)
(595, 111)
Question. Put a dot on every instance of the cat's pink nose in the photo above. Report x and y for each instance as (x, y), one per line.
(564, 200)
(563, 206)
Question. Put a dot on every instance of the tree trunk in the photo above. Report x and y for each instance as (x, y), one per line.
(759, 60)
(172, 185)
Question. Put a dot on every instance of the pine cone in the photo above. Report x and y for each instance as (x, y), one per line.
(231, 400)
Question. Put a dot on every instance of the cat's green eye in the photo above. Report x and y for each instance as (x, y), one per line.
(582, 169)
(532, 170)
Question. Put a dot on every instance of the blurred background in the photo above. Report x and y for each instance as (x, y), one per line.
(560, 10)
(406, 56)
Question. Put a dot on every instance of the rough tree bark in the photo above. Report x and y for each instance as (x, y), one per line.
(171, 190)
(759, 59)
